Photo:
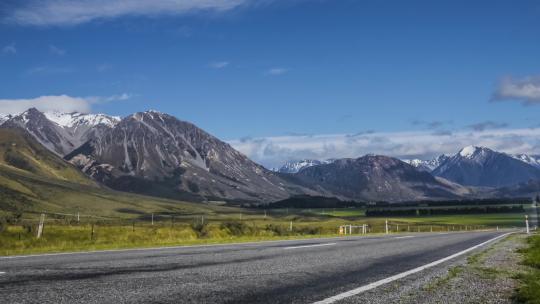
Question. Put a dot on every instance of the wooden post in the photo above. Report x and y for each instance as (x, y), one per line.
(40, 226)
(152, 219)
(92, 233)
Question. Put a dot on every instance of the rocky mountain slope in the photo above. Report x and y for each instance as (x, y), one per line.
(155, 153)
(60, 132)
(479, 166)
(377, 178)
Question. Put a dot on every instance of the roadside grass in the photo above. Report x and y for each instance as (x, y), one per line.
(18, 240)
(453, 272)
(529, 291)
(65, 234)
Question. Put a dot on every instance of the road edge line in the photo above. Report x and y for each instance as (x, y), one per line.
(359, 290)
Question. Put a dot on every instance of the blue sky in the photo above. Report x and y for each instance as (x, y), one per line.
(254, 72)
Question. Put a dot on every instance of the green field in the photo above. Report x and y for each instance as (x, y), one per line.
(217, 224)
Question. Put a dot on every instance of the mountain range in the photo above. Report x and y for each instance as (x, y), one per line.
(294, 166)
(157, 154)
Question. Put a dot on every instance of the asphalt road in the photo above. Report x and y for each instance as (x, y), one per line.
(302, 271)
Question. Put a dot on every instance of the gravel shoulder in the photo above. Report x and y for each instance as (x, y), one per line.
(484, 276)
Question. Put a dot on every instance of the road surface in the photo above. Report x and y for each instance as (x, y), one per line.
(300, 271)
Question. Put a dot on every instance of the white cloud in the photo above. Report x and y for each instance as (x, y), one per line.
(56, 50)
(62, 103)
(526, 90)
(73, 12)
(9, 49)
(276, 71)
(274, 151)
(219, 64)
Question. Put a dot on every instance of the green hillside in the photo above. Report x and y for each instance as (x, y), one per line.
(33, 179)
(20, 151)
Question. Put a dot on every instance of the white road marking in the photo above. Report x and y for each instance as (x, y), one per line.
(373, 285)
(306, 246)
(404, 237)
(1, 272)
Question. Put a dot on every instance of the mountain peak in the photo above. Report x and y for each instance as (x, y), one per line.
(471, 151)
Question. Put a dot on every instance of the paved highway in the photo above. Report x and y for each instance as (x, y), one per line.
(303, 271)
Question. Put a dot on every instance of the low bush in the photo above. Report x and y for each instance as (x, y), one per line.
(236, 228)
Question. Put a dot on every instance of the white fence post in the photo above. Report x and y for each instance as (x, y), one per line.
(386, 226)
(527, 223)
(40, 226)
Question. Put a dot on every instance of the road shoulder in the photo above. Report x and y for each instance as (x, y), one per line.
(485, 276)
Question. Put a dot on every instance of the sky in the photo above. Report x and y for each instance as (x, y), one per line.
(288, 79)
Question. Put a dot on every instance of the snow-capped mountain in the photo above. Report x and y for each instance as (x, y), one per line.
(480, 166)
(60, 132)
(155, 153)
(4, 118)
(75, 119)
(376, 178)
(427, 165)
(295, 166)
(533, 160)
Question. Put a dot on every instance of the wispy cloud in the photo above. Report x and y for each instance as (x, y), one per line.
(9, 49)
(56, 50)
(62, 103)
(274, 151)
(487, 125)
(276, 71)
(218, 64)
(431, 124)
(525, 90)
(73, 12)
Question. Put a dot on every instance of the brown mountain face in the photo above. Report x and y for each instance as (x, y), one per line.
(157, 154)
(377, 178)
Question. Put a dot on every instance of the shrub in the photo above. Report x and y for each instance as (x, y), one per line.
(200, 228)
(236, 228)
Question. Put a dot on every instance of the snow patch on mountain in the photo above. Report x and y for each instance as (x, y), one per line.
(468, 151)
(533, 160)
(427, 165)
(70, 120)
(4, 118)
(294, 166)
